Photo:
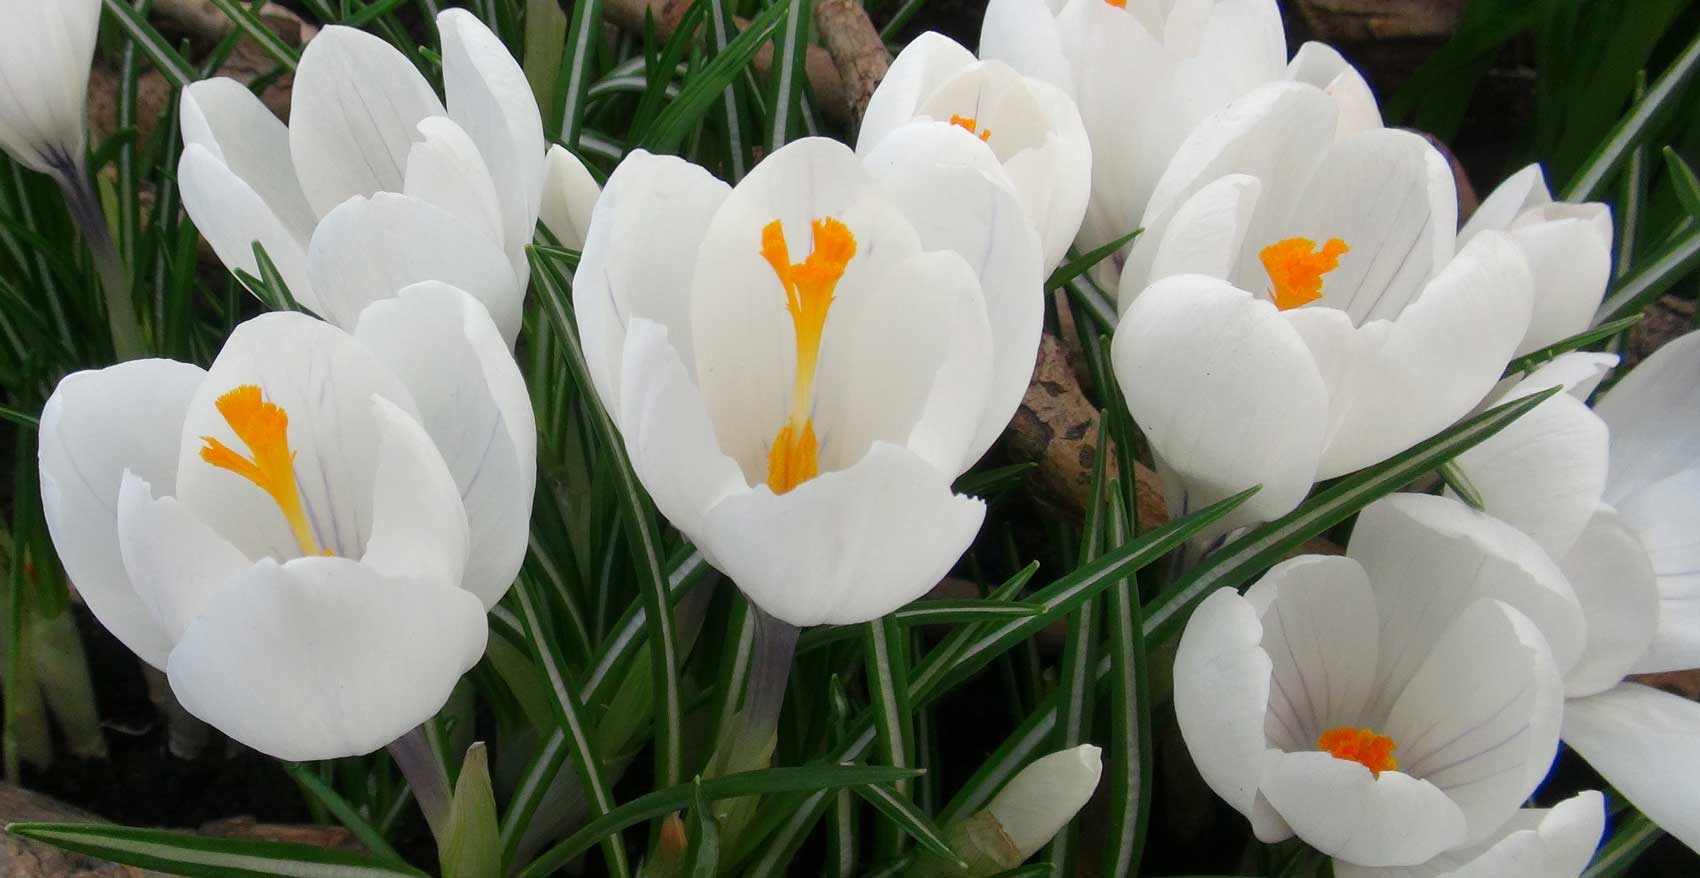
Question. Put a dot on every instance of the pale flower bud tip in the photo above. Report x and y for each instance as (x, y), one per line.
(1046, 795)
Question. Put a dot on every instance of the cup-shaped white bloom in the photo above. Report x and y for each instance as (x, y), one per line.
(374, 185)
(1632, 562)
(1568, 247)
(801, 364)
(1334, 250)
(569, 196)
(1325, 703)
(1030, 125)
(1146, 72)
(286, 533)
(1554, 842)
(1043, 797)
(45, 55)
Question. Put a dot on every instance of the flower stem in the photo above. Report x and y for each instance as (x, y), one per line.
(84, 204)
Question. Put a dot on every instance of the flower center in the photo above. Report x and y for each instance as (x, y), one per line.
(794, 457)
(264, 428)
(972, 126)
(1119, 4)
(1365, 747)
(1296, 268)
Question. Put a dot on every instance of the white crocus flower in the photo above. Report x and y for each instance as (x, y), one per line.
(1043, 797)
(374, 185)
(1307, 316)
(1146, 72)
(1614, 495)
(286, 534)
(1554, 842)
(1328, 703)
(1568, 247)
(1030, 125)
(801, 364)
(44, 74)
(569, 196)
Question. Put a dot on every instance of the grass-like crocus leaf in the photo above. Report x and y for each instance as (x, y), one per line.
(194, 856)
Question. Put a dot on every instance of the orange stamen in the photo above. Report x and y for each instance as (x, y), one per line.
(809, 286)
(1372, 751)
(972, 126)
(1295, 271)
(264, 428)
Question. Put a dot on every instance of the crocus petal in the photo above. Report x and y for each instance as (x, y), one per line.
(44, 82)
(639, 256)
(1222, 679)
(233, 218)
(1641, 741)
(1321, 65)
(174, 559)
(952, 417)
(1034, 806)
(668, 433)
(1225, 392)
(1065, 167)
(1552, 842)
(1479, 719)
(1429, 558)
(370, 248)
(744, 339)
(1023, 34)
(1521, 191)
(322, 658)
(1339, 808)
(1204, 236)
(846, 546)
(1613, 578)
(1569, 251)
(356, 107)
(1654, 415)
(472, 401)
(1277, 133)
(1665, 518)
(1414, 376)
(489, 97)
(925, 64)
(95, 427)
(1544, 473)
(933, 170)
(1320, 630)
(232, 123)
(446, 170)
(419, 528)
(1389, 195)
(569, 196)
(324, 381)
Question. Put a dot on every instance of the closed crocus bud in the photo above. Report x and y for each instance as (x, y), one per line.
(1392, 705)
(1029, 127)
(569, 196)
(1045, 796)
(1554, 842)
(1568, 247)
(802, 364)
(376, 183)
(287, 533)
(45, 53)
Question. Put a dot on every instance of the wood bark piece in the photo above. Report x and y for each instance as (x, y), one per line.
(1367, 21)
(1057, 428)
(857, 52)
(823, 76)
